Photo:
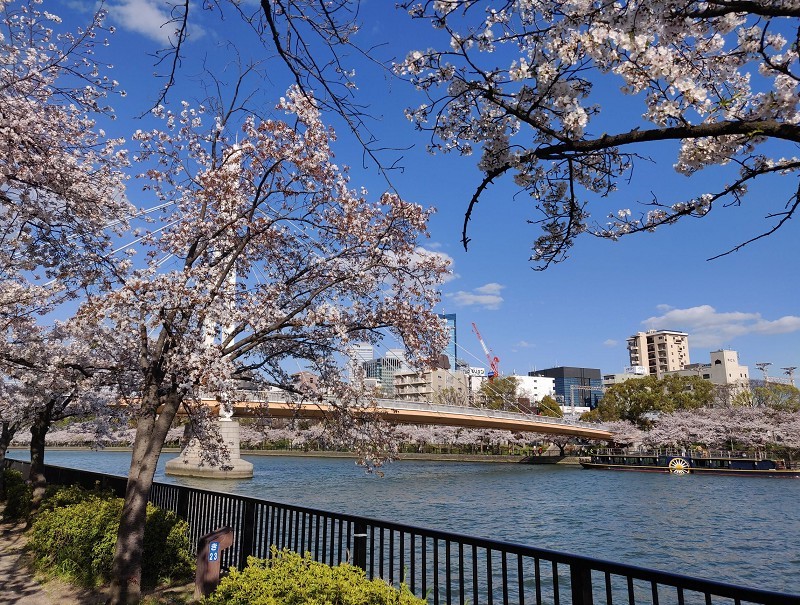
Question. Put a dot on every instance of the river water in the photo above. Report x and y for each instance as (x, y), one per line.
(743, 530)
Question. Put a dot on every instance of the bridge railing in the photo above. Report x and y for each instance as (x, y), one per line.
(446, 568)
(478, 411)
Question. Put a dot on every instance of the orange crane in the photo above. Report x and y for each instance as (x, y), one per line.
(490, 357)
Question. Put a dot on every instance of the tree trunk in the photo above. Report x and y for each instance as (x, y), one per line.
(6, 435)
(39, 428)
(151, 432)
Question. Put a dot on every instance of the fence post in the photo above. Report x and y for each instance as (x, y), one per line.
(581, 584)
(182, 505)
(248, 533)
(360, 545)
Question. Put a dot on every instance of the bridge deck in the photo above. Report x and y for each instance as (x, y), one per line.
(410, 412)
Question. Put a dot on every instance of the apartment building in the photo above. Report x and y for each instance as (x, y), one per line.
(433, 386)
(659, 351)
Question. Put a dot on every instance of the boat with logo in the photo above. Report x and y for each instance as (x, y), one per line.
(691, 462)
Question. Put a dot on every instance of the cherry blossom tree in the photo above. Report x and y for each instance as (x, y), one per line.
(61, 204)
(625, 432)
(787, 434)
(716, 84)
(61, 184)
(683, 428)
(263, 254)
(736, 428)
(51, 375)
(518, 80)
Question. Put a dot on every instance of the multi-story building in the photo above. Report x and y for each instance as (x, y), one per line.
(434, 386)
(660, 351)
(385, 368)
(535, 387)
(306, 382)
(359, 353)
(575, 387)
(631, 372)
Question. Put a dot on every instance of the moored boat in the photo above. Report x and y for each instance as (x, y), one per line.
(690, 462)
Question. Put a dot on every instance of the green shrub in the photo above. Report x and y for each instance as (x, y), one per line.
(58, 496)
(289, 579)
(77, 542)
(19, 495)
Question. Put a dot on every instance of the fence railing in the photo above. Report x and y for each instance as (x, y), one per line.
(446, 568)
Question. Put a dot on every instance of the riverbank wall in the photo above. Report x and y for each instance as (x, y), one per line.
(485, 458)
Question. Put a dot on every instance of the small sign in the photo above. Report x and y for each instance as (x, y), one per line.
(213, 551)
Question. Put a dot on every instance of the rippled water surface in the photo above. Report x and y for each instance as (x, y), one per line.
(732, 529)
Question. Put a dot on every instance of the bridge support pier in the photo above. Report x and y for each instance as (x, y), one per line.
(190, 464)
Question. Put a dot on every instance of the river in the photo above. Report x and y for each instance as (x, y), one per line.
(733, 529)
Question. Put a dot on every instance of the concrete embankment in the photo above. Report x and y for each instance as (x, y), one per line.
(488, 458)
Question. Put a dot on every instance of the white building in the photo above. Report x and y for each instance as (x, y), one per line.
(535, 388)
(359, 354)
(723, 369)
(631, 372)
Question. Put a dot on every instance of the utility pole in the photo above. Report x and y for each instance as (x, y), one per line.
(790, 373)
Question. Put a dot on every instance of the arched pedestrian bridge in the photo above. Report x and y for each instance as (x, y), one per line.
(412, 412)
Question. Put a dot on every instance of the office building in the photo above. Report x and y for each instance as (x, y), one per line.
(359, 354)
(575, 387)
(385, 368)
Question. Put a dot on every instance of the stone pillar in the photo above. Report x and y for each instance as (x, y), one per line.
(190, 464)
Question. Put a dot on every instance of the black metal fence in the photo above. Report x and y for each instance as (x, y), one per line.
(443, 567)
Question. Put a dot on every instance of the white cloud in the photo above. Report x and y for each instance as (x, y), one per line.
(708, 328)
(149, 18)
(523, 344)
(610, 342)
(490, 288)
(487, 296)
(79, 6)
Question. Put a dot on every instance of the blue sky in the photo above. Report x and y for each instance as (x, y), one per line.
(577, 313)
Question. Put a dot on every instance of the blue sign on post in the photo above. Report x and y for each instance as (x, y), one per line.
(213, 551)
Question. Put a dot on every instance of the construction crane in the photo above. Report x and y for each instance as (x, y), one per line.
(490, 357)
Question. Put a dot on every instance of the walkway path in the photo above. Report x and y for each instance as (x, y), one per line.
(17, 585)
